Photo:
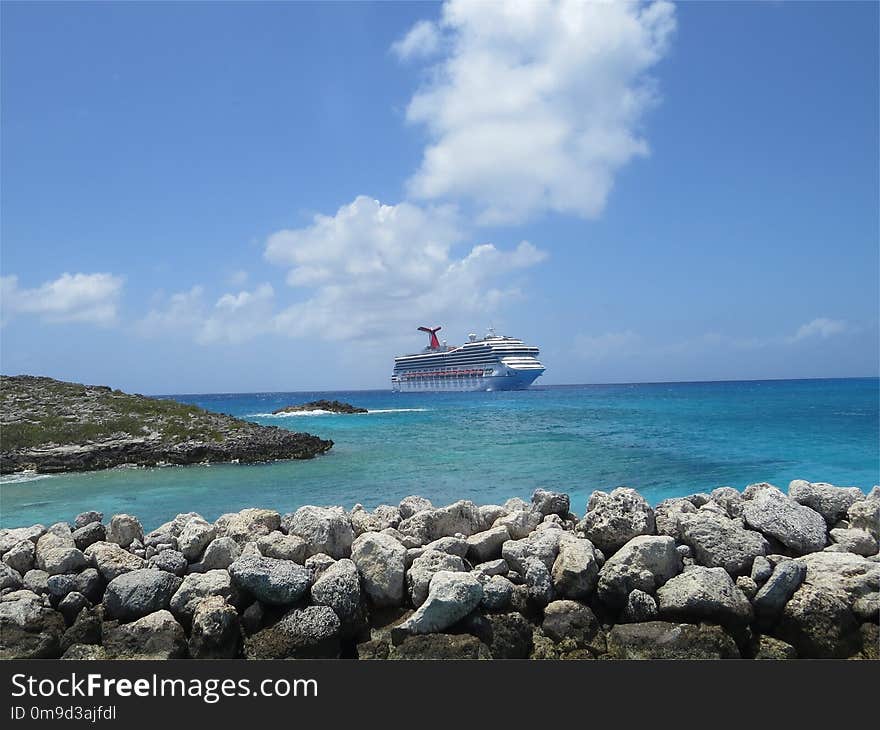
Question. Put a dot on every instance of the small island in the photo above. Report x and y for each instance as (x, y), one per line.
(51, 426)
(331, 406)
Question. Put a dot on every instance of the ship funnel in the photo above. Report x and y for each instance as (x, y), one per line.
(432, 332)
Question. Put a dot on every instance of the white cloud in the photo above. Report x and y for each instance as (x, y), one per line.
(822, 327)
(375, 269)
(91, 298)
(538, 104)
(422, 40)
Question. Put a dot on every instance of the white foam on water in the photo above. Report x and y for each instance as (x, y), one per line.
(321, 412)
(24, 476)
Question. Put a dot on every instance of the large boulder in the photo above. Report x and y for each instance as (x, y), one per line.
(325, 529)
(20, 557)
(283, 547)
(112, 560)
(576, 568)
(139, 592)
(9, 578)
(10, 538)
(381, 562)
(410, 505)
(576, 622)
(339, 588)
(718, 541)
(195, 537)
(854, 540)
(383, 517)
(519, 523)
(486, 545)
(799, 528)
(462, 517)
(829, 501)
(56, 551)
(865, 514)
(89, 534)
(248, 525)
(308, 633)
(664, 640)
(423, 569)
(87, 518)
(703, 594)
(219, 555)
(614, 519)
(124, 529)
(779, 588)
(551, 503)
(645, 563)
(198, 586)
(451, 597)
(155, 636)
(28, 628)
(215, 630)
(170, 561)
(277, 582)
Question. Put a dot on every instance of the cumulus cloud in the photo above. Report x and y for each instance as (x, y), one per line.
(233, 318)
(371, 269)
(537, 105)
(90, 298)
(822, 327)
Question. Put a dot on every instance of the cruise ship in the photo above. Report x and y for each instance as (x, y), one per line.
(491, 363)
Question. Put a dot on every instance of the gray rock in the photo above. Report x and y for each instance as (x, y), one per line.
(747, 586)
(28, 628)
(410, 505)
(854, 540)
(87, 518)
(576, 622)
(198, 586)
(519, 523)
(491, 512)
(86, 628)
(339, 588)
(640, 606)
(71, 605)
(486, 545)
(548, 503)
(220, 554)
(170, 561)
(155, 636)
(325, 530)
(9, 578)
(139, 592)
(703, 593)
(56, 551)
(720, 542)
(667, 515)
(283, 547)
(215, 630)
(451, 597)
(124, 529)
(614, 519)
(381, 562)
(318, 563)
(58, 586)
(276, 582)
(542, 546)
(423, 569)
(309, 633)
(383, 517)
(90, 583)
(195, 536)
(112, 560)
(797, 527)
(867, 607)
(576, 568)
(36, 581)
(497, 592)
(462, 517)
(729, 499)
(248, 525)
(452, 545)
(865, 515)
(766, 647)
(761, 569)
(829, 501)
(644, 563)
(20, 557)
(89, 534)
(492, 567)
(664, 640)
(779, 588)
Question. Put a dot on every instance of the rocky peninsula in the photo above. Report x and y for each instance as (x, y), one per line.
(330, 406)
(755, 574)
(53, 426)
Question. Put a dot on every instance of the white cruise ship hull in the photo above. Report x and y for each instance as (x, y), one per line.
(464, 384)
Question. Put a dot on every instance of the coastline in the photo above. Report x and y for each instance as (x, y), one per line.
(757, 574)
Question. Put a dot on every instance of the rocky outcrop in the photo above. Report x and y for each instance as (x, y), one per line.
(714, 577)
(331, 406)
(52, 426)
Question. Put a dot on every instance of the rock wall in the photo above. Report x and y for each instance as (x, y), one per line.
(758, 574)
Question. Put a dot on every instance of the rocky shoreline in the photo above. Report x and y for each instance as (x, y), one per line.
(51, 426)
(758, 574)
(330, 406)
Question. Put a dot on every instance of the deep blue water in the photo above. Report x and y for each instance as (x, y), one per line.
(663, 439)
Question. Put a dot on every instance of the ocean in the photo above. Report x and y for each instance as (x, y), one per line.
(664, 439)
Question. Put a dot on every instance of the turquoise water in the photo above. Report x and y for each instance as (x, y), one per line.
(663, 439)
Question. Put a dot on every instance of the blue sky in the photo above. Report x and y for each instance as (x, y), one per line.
(222, 197)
